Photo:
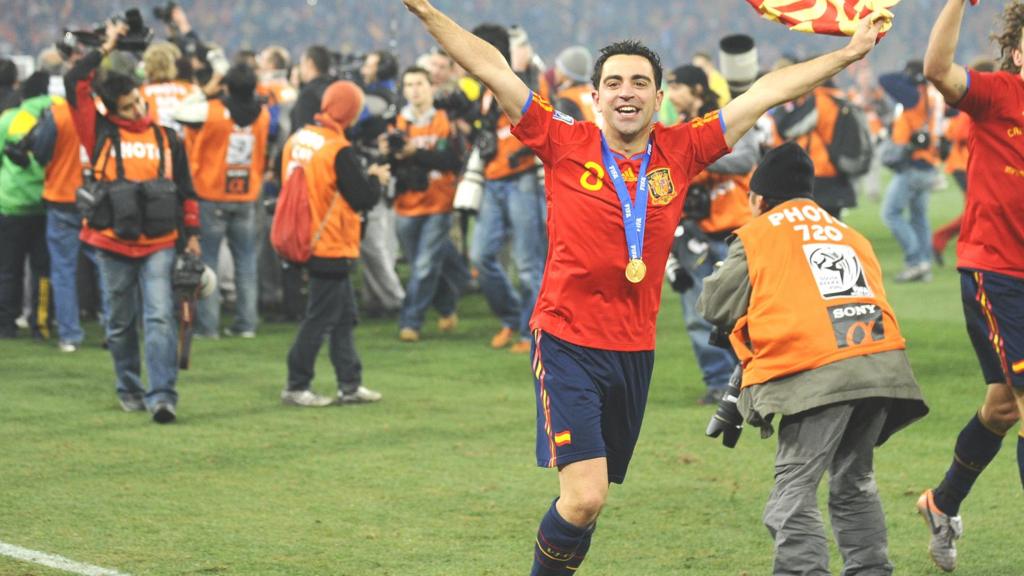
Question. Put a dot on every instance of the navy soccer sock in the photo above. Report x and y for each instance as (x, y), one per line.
(1020, 458)
(560, 545)
(975, 448)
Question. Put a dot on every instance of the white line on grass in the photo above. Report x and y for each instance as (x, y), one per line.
(54, 561)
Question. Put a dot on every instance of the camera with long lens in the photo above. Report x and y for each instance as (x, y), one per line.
(137, 38)
(470, 190)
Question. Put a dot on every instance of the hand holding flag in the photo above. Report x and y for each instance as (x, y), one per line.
(832, 17)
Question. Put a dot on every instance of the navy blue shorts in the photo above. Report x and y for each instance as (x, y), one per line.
(994, 310)
(590, 403)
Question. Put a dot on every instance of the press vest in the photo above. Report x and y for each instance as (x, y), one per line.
(817, 295)
(437, 198)
(227, 160)
(581, 96)
(141, 157)
(315, 148)
(730, 202)
(513, 156)
(163, 100)
(913, 120)
(63, 173)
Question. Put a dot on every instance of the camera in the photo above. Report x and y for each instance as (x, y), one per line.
(135, 40)
(163, 13)
(697, 205)
(406, 174)
(920, 140)
(396, 141)
(138, 36)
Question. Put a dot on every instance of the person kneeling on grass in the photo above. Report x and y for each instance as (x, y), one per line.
(331, 167)
(801, 295)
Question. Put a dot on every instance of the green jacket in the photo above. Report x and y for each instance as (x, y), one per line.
(21, 189)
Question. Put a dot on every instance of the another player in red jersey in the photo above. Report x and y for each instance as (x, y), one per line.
(614, 197)
(990, 256)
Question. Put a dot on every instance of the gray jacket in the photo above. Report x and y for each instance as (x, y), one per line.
(725, 300)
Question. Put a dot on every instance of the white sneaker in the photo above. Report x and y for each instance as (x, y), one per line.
(946, 530)
(362, 395)
(232, 333)
(67, 346)
(306, 398)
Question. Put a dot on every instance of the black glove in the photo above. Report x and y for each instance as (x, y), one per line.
(679, 278)
(727, 418)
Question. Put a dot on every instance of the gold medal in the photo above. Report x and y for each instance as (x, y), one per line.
(636, 270)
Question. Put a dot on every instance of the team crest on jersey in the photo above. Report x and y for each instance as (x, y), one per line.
(837, 271)
(563, 117)
(662, 189)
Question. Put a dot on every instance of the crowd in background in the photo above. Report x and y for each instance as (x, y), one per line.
(676, 30)
(452, 131)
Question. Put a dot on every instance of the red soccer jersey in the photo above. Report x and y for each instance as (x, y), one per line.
(992, 233)
(585, 297)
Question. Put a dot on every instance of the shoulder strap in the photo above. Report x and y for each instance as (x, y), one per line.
(323, 223)
(160, 146)
(115, 143)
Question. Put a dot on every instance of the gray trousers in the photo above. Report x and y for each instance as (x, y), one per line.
(839, 438)
(382, 289)
(330, 313)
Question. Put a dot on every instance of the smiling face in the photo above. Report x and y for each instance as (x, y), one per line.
(627, 96)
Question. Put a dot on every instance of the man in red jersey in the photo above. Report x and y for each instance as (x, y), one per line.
(594, 322)
(990, 257)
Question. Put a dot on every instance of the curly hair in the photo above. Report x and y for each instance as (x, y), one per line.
(160, 62)
(1009, 38)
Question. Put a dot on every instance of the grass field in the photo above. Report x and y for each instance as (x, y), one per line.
(439, 479)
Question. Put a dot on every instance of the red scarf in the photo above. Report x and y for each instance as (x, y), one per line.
(140, 125)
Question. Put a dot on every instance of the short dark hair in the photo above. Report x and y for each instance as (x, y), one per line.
(627, 48)
(35, 85)
(240, 81)
(415, 70)
(496, 35)
(320, 57)
(387, 65)
(8, 72)
(112, 86)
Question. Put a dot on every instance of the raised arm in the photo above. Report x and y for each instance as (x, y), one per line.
(950, 78)
(794, 81)
(478, 57)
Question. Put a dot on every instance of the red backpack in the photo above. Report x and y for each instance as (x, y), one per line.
(290, 231)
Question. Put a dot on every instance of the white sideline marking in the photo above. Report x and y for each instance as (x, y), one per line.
(54, 561)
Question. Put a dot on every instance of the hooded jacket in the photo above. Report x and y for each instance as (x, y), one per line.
(21, 188)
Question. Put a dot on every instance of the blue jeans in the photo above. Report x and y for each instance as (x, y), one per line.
(909, 191)
(438, 273)
(62, 230)
(124, 280)
(511, 207)
(716, 364)
(237, 221)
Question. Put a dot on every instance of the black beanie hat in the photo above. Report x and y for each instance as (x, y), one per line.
(785, 173)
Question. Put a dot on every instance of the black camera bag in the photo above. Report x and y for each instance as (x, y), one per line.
(159, 198)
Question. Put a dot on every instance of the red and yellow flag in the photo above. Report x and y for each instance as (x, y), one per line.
(832, 17)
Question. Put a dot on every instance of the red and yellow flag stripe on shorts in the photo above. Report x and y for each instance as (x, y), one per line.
(545, 400)
(993, 327)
